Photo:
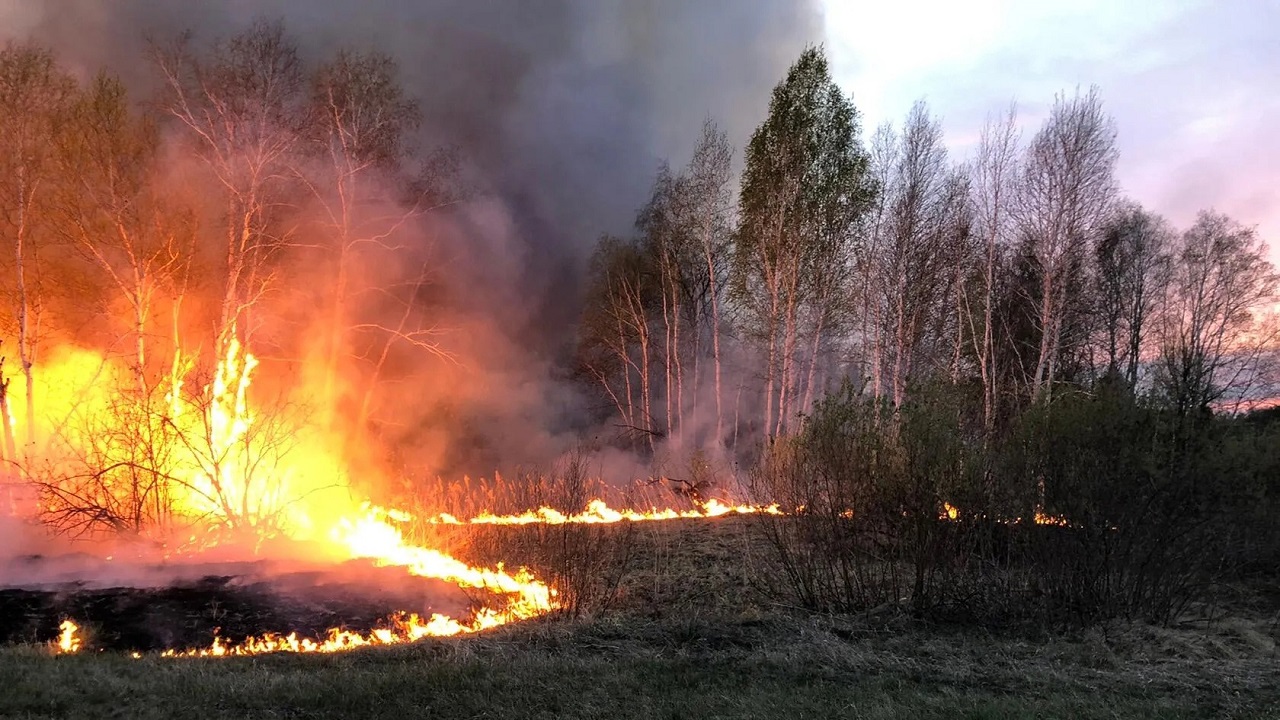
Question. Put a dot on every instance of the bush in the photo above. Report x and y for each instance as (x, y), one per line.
(1100, 505)
(585, 562)
(868, 489)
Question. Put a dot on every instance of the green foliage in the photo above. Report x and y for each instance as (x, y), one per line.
(804, 187)
(1100, 505)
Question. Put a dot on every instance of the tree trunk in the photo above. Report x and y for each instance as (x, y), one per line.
(813, 363)
(715, 345)
(1046, 332)
(6, 416)
(26, 342)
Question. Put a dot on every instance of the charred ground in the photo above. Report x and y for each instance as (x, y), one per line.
(691, 633)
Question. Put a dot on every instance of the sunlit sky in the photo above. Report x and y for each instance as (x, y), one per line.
(1194, 85)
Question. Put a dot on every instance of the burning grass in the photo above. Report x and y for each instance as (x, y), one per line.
(688, 637)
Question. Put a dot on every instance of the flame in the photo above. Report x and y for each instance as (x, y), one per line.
(223, 477)
(208, 444)
(373, 536)
(67, 640)
(211, 473)
(1042, 519)
(598, 512)
(401, 628)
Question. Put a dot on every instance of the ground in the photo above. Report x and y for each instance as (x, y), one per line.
(691, 639)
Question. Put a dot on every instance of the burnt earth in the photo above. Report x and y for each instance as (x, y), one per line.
(236, 602)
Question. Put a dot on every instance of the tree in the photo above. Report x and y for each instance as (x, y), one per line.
(360, 125)
(34, 97)
(667, 282)
(705, 206)
(664, 240)
(115, 215)
(1211, 338)
(992, 177)
(1132, 265)
(920, 246)
(615, 343)
(241, 110)
(804, 189)
(1067, 189)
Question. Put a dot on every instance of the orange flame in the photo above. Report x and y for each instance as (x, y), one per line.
(373, 536)
(67, 640)
(597, 511)
(402, 628)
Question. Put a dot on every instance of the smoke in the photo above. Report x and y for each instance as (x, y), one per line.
(565, 108)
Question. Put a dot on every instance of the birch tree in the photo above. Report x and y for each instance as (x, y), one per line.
(616, 345)
(112, 211)
(993, 174)
(804, 189)
(919, 248)
(241, 110)
(361, 125)
(34, 98)
(1132, 265)
(1066, 192)
(705, 201)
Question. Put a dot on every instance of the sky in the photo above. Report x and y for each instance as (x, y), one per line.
(1194, 85)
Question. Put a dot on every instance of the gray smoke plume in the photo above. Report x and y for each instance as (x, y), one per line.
(566, 107)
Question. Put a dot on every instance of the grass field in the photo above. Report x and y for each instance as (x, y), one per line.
(692, 638)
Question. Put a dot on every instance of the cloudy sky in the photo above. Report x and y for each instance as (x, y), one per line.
(1194, 85)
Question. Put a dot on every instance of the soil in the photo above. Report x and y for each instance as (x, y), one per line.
(184, 606)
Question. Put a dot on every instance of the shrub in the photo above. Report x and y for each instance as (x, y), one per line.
(585, 562)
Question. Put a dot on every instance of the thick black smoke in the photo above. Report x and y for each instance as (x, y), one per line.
(566, 107)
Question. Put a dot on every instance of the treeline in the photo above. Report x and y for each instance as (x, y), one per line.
(992, 390)
(254, 201)
(1015, 276)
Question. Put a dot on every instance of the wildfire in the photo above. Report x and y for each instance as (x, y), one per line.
(402, 628)
(218, 473)
(597, 511)
(221, 464)
(67, 640)
(1043, 519)
(373, 536)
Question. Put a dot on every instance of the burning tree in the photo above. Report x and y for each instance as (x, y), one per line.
(242, 109)
(34, 98)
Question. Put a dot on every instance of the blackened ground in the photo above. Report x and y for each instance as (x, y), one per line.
(245, 602)
(692, 634)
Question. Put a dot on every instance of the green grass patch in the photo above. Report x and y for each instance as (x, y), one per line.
(780, 668)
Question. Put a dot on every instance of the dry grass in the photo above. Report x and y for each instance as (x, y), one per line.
(691, 636)
(781, 667)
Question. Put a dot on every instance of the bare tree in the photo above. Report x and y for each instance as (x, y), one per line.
(1132, 259)
(706, 207)
(242, 111)
(871, 286)
(34, 96)
(616, 345)
(919, 247)
(361, 121)
(993, 174)
(113, 213)
(665, 241)
(1066, 193)
(666, 283)
(1209, 331)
